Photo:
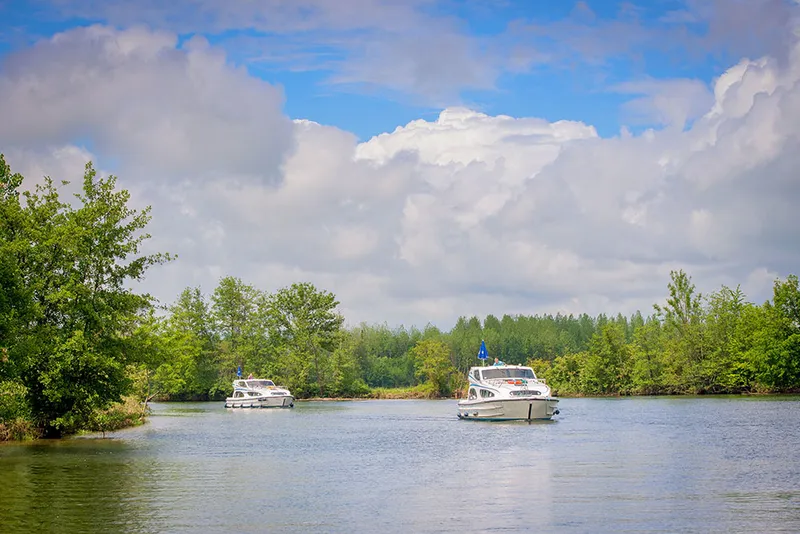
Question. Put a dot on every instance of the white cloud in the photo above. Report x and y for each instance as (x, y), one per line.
(403, 47)
(63, 163)
(466, 214)
(144, 101)
(666, 102)
(422, 50)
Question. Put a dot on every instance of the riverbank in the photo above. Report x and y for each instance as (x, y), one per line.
(128, 413)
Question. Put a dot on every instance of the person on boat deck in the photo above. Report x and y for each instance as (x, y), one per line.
(498, 362)
(250, 376)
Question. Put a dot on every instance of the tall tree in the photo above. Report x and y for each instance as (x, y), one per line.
(776, 346)
(683, 327)
(435, 366)
(76, 263)
(305, 326)
(189, 367)
(234, 309)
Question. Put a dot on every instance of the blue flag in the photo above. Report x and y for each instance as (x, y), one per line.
(482, 354)
(239, 371)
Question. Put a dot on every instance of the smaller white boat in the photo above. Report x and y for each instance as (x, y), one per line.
(259, 393)
(507, 393)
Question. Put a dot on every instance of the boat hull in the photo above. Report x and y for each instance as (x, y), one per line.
(282, 401)
(527, 409)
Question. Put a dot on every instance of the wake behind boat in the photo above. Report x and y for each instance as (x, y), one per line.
(506, 393)
(259, 393)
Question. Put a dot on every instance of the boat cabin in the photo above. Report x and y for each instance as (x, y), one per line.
(254, 384)
(504, 372)
(503, 381)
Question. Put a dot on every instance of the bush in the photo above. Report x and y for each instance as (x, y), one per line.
(18, 429)
(130, 412)
(13, 402)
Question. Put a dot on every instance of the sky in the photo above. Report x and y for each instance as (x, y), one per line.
(425, 159)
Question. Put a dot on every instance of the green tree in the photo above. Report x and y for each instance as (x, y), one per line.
(775, 349)
(565, 375)
(305, 327)
(435, 367)
(647, 373)
(724, 368)
(234, 307)
(346, 380)
(189, 367)
(607, 368)
(683, 330)
(76, 264)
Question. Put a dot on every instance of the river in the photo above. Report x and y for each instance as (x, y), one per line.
(662, 464)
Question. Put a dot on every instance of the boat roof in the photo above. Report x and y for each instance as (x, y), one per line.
(257, 381)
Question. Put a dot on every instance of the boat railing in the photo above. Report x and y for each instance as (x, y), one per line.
(506, 380)
(247, 388)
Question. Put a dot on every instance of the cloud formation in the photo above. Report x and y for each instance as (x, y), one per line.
(700, 28)
(465, 214)
(420, 51)
(138, 97)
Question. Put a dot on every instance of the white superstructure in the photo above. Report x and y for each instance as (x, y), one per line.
(259, 393)
(507, 393)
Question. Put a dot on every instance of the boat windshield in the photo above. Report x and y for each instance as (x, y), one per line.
(490, 373)
(259, 383)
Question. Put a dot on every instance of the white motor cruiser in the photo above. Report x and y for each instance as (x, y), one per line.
(507, 393)
(259, 393)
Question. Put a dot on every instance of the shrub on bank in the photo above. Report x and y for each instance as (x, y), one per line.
(15, 414)
(18, 429)
(130, 412)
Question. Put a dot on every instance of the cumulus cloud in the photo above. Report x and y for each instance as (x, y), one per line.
(150, 104)
(465, 214)
(670, 102)
(399, 47)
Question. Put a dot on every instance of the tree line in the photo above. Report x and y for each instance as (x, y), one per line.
(692, 344)
(76, 340)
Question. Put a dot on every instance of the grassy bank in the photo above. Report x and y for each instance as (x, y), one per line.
(127, 413)
(18, 429)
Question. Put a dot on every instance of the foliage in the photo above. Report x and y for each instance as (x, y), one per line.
(305, 329)
(718, 343)
(434, 366)
(66, 309)
(127, 413)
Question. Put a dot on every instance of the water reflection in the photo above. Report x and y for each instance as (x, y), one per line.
(73, 486)
(642, 465)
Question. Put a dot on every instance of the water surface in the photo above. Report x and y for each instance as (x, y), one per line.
(721, 464)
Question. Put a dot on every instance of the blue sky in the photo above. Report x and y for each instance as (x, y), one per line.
(549, 59)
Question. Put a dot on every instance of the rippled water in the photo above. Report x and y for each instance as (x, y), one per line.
(723, 464)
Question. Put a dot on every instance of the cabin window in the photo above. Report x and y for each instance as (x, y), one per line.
(527, 373)
(253, 393)
(238, 394)
(486, 393)
(260, 383)
(477, 375)
(472, 394)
